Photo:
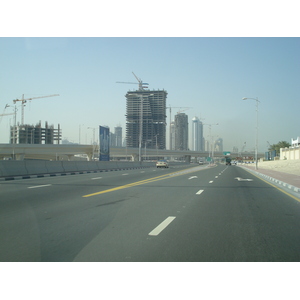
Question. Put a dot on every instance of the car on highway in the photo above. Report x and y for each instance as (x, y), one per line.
(162, 164)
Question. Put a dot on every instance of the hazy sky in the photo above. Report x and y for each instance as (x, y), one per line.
(209, 74)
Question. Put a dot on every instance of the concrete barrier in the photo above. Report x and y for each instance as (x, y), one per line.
(26, 168)
(34, 167)
(54, 167)
(11, 168)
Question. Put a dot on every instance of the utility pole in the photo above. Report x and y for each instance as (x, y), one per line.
(256, 138)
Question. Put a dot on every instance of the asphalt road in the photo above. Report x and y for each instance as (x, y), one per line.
(195, 213)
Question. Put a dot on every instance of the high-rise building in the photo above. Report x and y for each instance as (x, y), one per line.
(146, 118)
(181, 131)
(118, 136)
(197, 135)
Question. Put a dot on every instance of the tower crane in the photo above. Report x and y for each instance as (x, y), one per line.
(5, 115)
(183, 109)
(2, 115)
(28, 99)
(142, 85)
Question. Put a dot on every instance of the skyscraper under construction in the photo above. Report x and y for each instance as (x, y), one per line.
(146, 119)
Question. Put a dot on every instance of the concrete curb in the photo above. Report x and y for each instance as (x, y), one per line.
(274, 180)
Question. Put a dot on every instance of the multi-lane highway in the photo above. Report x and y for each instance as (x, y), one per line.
(187, 213)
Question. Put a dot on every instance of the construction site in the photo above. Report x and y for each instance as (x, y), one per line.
(30, 134)
(146, 117)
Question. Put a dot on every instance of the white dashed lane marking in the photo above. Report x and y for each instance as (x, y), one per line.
(157, 230)
(38, 186)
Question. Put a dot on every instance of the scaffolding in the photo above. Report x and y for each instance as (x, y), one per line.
(30, 134)
(146, 119)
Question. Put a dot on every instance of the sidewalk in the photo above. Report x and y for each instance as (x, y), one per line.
(284, 179)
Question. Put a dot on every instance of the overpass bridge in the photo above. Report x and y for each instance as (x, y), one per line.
(87, 152)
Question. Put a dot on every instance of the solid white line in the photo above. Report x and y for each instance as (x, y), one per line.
(199, 192)
(157, 230)
(38, 186)
(96, 178)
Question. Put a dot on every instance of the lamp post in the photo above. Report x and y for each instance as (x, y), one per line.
(93, 156)
(256, 139)
(210, 148)
(80, 132)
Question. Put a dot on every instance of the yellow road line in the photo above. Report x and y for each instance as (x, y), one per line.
(278, 188)
(153, 179)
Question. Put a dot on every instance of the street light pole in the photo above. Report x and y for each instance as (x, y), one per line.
(141, 128)
(94, 148)
(210, 148)
(256, 139)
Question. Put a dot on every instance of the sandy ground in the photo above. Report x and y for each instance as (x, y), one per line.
(287, 166)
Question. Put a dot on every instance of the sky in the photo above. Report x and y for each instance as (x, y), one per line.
(208, 74)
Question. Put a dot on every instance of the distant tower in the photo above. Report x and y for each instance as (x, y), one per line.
(181, 131)
(219, 145)
(197, 135)
(118, 136)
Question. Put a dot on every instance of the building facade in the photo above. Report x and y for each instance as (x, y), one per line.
(146, 119)
(181, 131)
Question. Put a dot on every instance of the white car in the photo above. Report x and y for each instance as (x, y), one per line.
(162, 164)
